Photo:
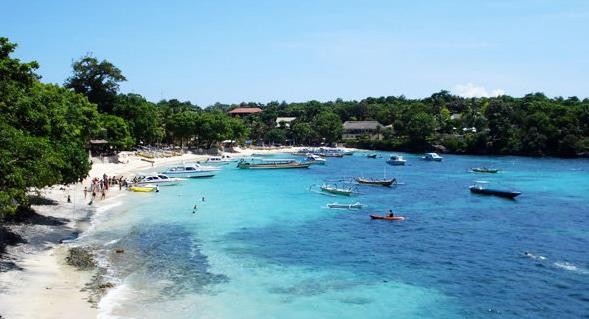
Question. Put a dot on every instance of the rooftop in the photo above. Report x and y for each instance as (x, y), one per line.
(245, 110)
(361, 125)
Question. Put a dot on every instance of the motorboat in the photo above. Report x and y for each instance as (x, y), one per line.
(333, 189)
(432, 157)
(371, 155)
(194, 170)
(257, 163)
(479, 188)
(220, 160)
(396, 160)
(157, 179)
(314, 159)
(484, 170)
(377, 182)
(356, 205)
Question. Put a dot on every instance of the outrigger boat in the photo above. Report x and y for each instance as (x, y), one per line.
(271, 164)
(335, 190)
(478, 188)
(484, 170)
(356, 205)
(377, 182)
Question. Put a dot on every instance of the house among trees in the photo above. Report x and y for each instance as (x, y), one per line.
(285, 120)
(244, 111)
(355, 129)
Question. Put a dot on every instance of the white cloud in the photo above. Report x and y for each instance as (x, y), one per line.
(471, 90)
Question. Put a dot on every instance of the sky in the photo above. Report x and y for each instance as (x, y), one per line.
(300, 50)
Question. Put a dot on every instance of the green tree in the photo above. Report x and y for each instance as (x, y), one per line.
(328, 126)
(115, 130)
(98, 80)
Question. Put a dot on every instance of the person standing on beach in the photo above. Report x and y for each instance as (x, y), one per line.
(85, 192)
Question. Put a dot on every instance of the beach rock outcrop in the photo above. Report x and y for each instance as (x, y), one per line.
(81, 258)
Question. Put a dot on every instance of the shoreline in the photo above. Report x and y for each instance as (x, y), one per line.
(52, 288)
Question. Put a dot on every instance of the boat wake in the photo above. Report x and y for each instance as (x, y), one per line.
(571, 267)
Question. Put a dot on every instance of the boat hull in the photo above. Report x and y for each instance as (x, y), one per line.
(336, 191)
(494, 192)
(387, 217)
(396, 163)
(385, 183)
(272, 166)
(192, 174)
(142, 189)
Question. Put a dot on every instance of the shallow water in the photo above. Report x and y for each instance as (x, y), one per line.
(262, 245)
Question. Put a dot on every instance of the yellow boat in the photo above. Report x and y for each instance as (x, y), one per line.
(143, 188)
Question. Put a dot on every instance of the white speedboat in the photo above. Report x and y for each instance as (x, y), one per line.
(396, 160)
(432, 157)
(157, 179)
(314, 159)
(220, 160)
(192, 171)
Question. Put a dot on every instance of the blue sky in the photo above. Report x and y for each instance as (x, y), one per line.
(259, 50)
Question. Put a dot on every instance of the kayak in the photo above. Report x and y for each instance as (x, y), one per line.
(387, 217)
(143, 189)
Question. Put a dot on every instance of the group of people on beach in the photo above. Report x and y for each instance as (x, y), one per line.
(101, 186)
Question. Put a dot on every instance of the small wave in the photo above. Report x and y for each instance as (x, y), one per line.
(571, 267)
(112, 300)
(114, 241)
(109, 206)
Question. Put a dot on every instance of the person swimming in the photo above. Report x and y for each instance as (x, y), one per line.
(530, 255)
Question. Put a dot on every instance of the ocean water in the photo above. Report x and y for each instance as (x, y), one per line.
(262, 245)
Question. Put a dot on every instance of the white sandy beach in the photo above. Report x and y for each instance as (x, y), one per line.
(46, 287)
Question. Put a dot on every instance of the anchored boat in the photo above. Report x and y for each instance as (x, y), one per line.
(271, 164)
(356, 205)
(479, 188)
(333, 189)
(396, 160)
(192, 171)
(377, 182)
(484, 170)
(432, 157)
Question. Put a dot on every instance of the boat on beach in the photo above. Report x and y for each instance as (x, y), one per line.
(377, 182)
(356, 205)
(396, 160)
(479, 188)
(432, 157)
(192, 171)
(256, 163)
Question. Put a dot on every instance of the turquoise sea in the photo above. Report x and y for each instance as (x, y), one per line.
(262, 245)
